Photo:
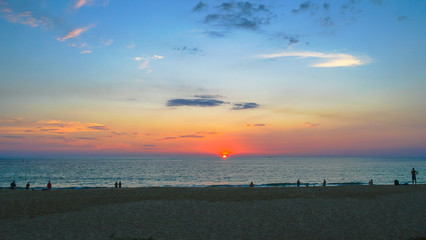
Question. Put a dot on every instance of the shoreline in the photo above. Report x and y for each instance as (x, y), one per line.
(335, 212)
(265, 185)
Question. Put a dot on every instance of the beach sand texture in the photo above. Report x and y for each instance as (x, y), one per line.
(344, 212)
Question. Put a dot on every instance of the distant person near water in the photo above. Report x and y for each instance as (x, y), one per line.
(298, 183)
(49, 185)
(13, 185)
(370, 183)
(413, 176)
(27, 186)
(119, 184)
(116, 184)
(251, 184)
(324, 183)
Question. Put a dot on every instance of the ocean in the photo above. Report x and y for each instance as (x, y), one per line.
(207, 171)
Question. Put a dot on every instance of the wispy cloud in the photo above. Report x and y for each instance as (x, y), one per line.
(330, 59)
(20, 126)
(107, 43)
(199, 7)
(74, 33)
(81, 3)
(256, 125)
(311, 125)
(146, 60)
(199, 102)
(209, 101)
(243, 106)
(25, 18)
(234, 15)
(85, 51)
(188, 50)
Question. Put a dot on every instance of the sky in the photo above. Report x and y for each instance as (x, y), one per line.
(292, 78)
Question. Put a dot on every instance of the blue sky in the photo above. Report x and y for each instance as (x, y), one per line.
(282, 77)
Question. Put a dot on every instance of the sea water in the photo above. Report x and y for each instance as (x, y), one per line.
(207, 171)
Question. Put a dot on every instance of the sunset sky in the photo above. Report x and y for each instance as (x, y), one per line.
(207, 77)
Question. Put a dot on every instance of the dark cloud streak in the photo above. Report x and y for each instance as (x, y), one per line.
(199, 102)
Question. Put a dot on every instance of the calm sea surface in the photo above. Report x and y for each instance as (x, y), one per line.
(206, 171)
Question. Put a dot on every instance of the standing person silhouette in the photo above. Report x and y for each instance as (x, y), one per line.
(27, 186)
(13, 185)
(324, 183)
(413, 176)
(49, 185)
(116, 184)
(298, 183)
(119, 184)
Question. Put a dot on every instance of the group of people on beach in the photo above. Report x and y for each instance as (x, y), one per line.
(117, 184)
(324, 183)
(370, 182)
(27, 186)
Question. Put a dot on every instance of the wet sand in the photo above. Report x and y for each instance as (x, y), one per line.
(344, 212)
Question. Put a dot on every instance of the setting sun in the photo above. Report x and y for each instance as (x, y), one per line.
(224, 155)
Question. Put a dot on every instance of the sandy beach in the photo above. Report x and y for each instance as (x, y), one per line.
(344, 212)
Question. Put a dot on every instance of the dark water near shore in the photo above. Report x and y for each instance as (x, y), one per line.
(207, 171)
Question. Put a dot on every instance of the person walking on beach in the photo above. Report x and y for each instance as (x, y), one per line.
(116, 184)
(13, 185)
(413, 176)
(324, 183)
(27, 186)
(119, 184)
(298, 183)
(49, 185)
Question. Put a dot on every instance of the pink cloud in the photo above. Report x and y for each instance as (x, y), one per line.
(74, 33)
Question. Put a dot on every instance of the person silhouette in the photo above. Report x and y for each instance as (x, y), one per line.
(13, 184)
(251, 184)
(324, 183)
(298, 183)
(116, 184)
(413, 176)
(27, 186)
(49, 185)
(119, 184)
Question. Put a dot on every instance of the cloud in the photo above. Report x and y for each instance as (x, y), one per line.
(330, 60)
(305, 6)
(150, 145)
(208, 96)
(199, 102)
(243, 106)
(235, 15)
(311, 125)
(98, 127)
(131, 46)
(13, 137)
(85, 51)
(74, 33)
(191, 136)
(109, 42)
(146, 60)
(291, 39)
(81, 3)
(188, 50)
(198, 135)
(25, 18)
(256, 125)
(208, 133)
(402, 18)
(199, 7)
